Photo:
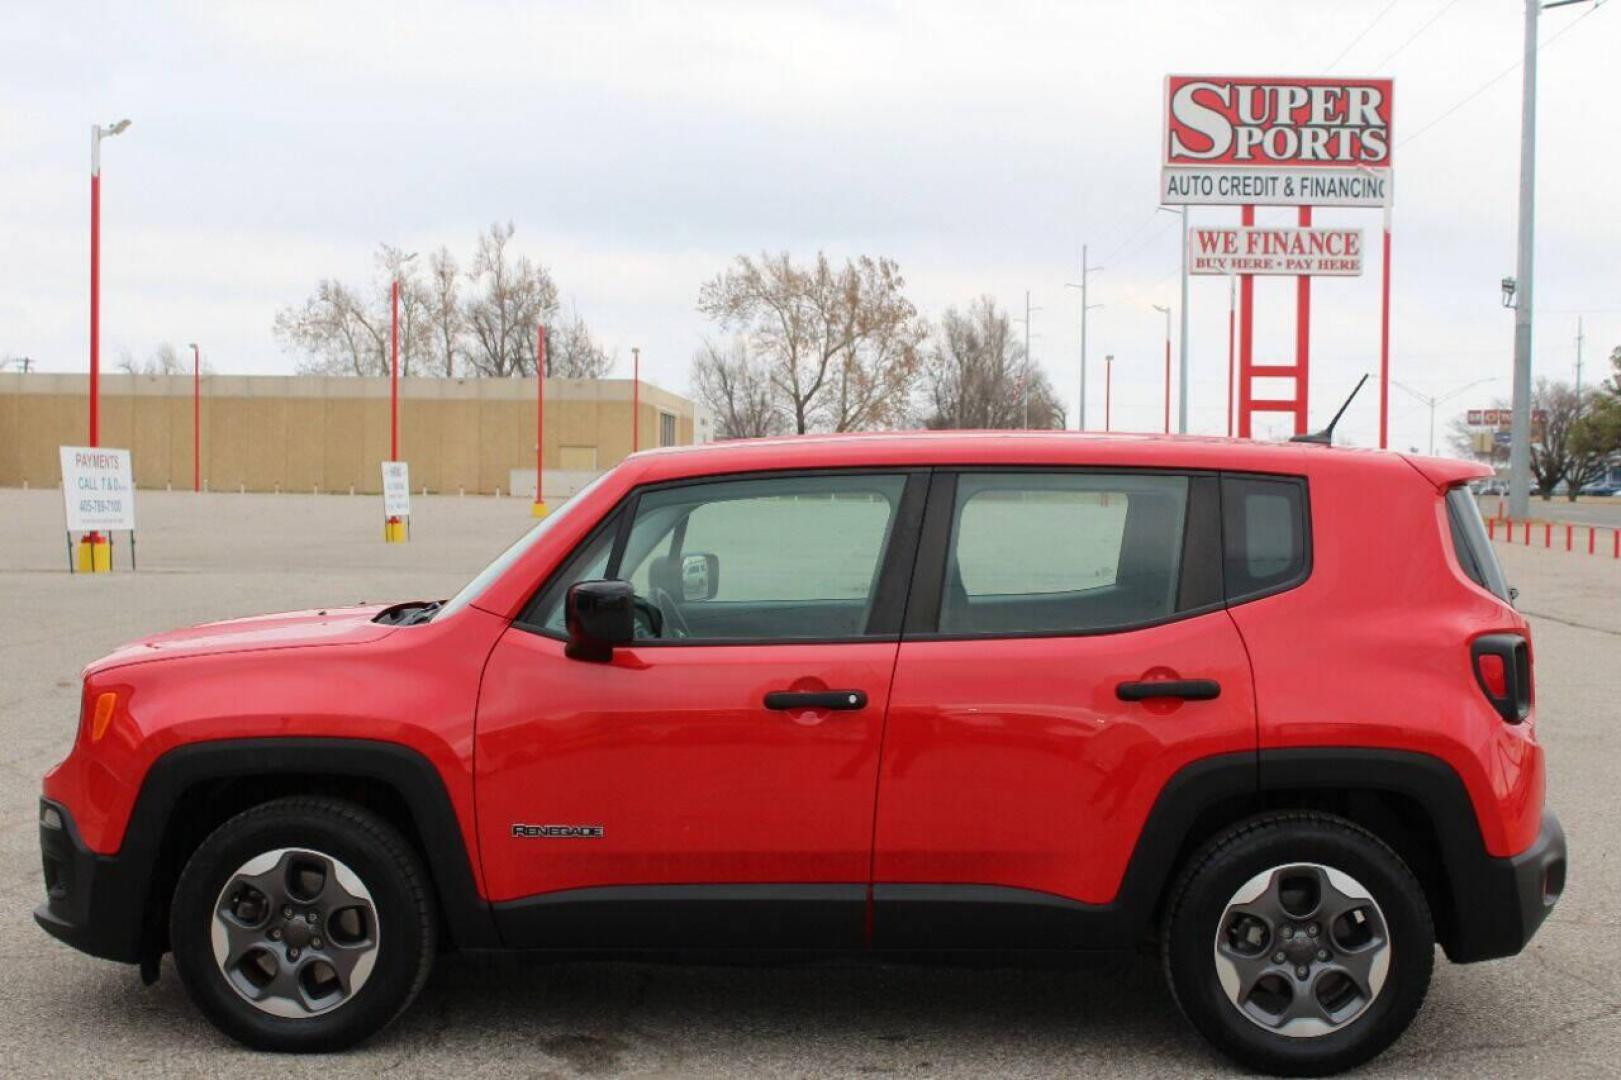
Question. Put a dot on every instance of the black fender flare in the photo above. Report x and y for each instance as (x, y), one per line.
(404, 770)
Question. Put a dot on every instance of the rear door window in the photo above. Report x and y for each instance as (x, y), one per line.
(1062, 553)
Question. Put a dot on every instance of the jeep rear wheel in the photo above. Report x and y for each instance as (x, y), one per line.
(1299, 944)
(303, 924)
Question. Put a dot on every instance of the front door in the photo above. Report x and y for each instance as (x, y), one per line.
(714, 783)
(1066, 653)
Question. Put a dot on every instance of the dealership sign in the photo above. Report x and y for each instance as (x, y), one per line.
(1313, 252)
(1276, 141)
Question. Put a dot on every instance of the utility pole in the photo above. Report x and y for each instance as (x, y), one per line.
(1080, 418)
(1024, 383)
(1579, 338)
(1519, 454)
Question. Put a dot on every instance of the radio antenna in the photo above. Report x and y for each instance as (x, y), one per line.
(1325, 437)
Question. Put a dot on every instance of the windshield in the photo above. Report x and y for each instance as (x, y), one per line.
(513, 553)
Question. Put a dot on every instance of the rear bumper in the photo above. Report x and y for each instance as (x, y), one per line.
(1507, 899)
(93, 902)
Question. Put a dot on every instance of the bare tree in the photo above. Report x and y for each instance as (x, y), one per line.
(334, 332)
(513, 298)
(738, 390)
(839, 343)
(572, 353)
(977, 375)
(416, 306)
(445, 318)
(1551, 458)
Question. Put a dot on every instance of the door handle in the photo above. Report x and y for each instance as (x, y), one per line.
(1186, 689)
(838, 700)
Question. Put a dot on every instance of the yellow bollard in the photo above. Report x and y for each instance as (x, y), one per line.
(95, 555)
(538, 509)
(394, 531)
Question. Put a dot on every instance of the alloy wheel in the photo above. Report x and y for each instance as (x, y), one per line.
(1302, 950)
(295, 932)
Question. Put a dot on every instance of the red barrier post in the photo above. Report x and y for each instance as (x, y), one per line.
(1491, 528)
(1547, 534)
(1591, 541)
(1570, 532)
(1527, 534)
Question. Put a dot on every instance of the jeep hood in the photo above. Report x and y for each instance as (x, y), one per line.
(288, 630)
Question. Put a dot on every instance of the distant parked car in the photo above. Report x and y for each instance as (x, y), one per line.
(1602, 487)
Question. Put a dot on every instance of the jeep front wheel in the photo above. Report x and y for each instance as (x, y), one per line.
(303, 924)
(1298, 944)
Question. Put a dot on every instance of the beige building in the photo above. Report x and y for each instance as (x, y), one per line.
(330, 433)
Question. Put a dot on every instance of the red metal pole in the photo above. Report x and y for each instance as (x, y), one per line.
(1592, 539)
(394, 372)
(540, 409)
(1547, 534)
(95, 303)
(1246, 337)
(1302, 337)
(196, 421)
(1384, 346)
(1570, 533)
(1491, 528)
(1232, 302)
(636, 400)
(1108, 390)
(1167, 374)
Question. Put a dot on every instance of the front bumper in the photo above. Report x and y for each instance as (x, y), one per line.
(96, 903)
(1507, 899)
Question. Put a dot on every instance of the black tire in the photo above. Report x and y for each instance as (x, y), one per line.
(1198, 909)
(386, 866)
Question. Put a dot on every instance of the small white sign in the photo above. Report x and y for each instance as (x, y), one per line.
(396, 489)
(97, 488)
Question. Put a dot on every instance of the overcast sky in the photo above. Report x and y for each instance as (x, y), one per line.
(639, 147)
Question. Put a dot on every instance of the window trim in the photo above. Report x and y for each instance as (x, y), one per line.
(1202, 522)
(1307, 539)
(889, 600)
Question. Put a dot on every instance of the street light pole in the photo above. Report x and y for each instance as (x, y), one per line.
(539, 507)
(1167, 313)
(1432, 400)
(196, 420)
(97, 133)
(1086, 271)
(1519, 454)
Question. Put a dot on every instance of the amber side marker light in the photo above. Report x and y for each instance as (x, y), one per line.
(103, 715)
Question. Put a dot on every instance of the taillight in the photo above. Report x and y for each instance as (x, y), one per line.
(1502, 665)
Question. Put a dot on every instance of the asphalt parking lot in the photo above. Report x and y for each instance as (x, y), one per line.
(1554, 1011)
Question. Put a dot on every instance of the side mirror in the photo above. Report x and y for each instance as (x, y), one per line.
(700, 576)
(599, 616)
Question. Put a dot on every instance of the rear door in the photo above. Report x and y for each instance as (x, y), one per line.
(1066, 652)
(713, 784)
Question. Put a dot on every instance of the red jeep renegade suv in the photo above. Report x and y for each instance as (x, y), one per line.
(896, 696)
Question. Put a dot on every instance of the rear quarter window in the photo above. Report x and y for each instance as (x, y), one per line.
(1266, 535)
(1471, 545)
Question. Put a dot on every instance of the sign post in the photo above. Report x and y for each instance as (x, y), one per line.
(98, 496)
(1301, 142)
(396, 502)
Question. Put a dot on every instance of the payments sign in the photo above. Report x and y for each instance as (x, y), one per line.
(97, 488)
(1232, 140)
(1317, 252)
(396, 489)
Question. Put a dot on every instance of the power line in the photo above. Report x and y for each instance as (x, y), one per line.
(1346, 51)
(1448, 6)
(1489, 83)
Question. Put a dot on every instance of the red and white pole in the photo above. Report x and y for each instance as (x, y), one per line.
(636, 400)
(538, 509)
(196, 420)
